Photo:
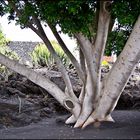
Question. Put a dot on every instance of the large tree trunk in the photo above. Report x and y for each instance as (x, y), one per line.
(118, 77)
(94, 57)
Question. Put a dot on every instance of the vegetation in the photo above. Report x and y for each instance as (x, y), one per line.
(5, 50)
(91, 23)
(41, 56)
(105, 63)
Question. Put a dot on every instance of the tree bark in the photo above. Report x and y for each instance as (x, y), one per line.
(43, 82)
(68, 53)
(94, 69)
(113, 86)
(40, 32)
(34, 77)
(100, 43)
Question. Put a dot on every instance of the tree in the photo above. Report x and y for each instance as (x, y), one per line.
(89, 22)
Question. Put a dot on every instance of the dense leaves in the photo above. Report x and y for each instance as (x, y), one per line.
(78, 16)
(125, 12)
(72, 16)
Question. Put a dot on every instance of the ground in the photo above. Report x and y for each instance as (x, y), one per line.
(28, 111)
(127, 126)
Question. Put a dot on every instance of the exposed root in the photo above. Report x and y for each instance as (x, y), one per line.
(85, 113)
(79, 123)
(83, 117)
(88, 121)
(94, 119)
(71, 120)
(109, 118)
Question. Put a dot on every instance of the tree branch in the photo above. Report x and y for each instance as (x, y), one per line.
(100, 42)
(86, 48)
(93, 65)
(68, 53)
(43, 82)
(57, 59)
(40, 32)
(82, 60)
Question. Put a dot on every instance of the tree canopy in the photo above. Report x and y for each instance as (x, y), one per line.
(80, 16)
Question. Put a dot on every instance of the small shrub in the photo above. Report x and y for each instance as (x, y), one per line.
(4, 71)
(5, 50)
(41, 56)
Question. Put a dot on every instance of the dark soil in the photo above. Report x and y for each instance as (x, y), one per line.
(24, 106)
(127, 126)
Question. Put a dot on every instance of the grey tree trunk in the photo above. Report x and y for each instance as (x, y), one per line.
(117, 77)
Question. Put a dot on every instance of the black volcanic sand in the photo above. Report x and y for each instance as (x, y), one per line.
(27, 111)
(126, 126)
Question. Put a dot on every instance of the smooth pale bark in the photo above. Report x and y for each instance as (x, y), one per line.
(40, 32)
(72, 102)
(68, 53)
(100, 43)
(82, 60)
(91, 97)
(73, 107)
(37, 28)
(72, 118)
(88, 101)
(85, 46)
(43, 82)
(82, 63)
(118, 77)
(34, 77)
(112, 87)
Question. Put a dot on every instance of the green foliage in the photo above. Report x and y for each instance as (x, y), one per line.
(78, 16)
(125, 12)
(41, 55)
(5, 50)
(3, 40)
(72, 16)
(116, 41)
